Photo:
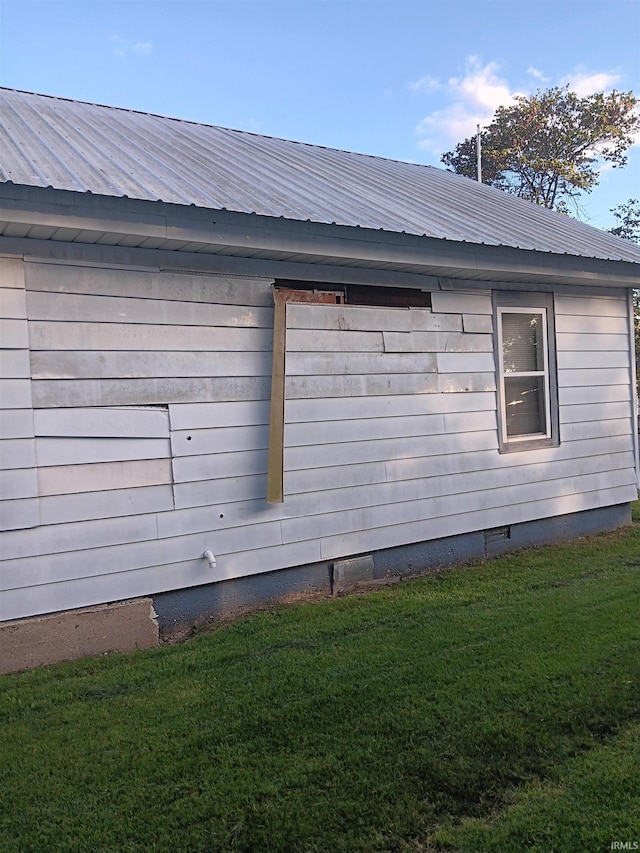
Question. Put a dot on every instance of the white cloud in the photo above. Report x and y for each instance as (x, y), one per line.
(425, 84)
(539, 75)
(585, 83)
(474, 97)
(123, 46)
(444, 128)
(481, 86)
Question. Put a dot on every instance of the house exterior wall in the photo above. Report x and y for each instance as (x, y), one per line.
(148, 442)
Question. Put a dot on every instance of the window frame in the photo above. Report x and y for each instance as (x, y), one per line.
(527, 303)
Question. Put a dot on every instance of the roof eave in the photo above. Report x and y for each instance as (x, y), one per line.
(172, 226)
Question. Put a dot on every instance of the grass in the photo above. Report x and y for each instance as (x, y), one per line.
(491, 708)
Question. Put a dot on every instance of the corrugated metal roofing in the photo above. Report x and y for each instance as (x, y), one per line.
(71, 145)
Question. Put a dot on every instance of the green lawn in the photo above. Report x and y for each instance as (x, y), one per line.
(494, 707)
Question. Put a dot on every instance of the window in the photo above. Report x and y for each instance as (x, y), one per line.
(527, 390)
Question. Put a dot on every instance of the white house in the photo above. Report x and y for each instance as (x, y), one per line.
(238, 368)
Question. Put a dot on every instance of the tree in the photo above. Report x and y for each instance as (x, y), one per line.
(548, 147)
(628, 227)
(628, 218)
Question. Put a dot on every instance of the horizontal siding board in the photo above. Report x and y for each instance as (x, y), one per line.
(16, 423)
(14, 364)
(596, 325)
(13, 304)
(423, 320)
(450, 342)
(305, 340)
(398, 342)
(588, 342)
(220, 522)
(334, 364)
(47, 335)
(215, 492)
(477, 323)
(591, 377)
(12, 273)
(466, 302)
(331, 432)
(102, 422)
(220, 440)
(590, 306)
(372, 429)
(223, 414)
(316, 456)
(592, 360)
(331, 477)
(17, 453)
(18, 483)
(143, 284)
(188, 469)
(456, 383)
(593, 412)
(338, 409)
(595, 429)
(456, 362)
(15, 393)
(357, 318)
(464, 423)
(14, 334)
(347, 318)
(86, 506)
(140, 365)
(78, 451)
(129, 310)
(577, 395)
(360, 386)
(19, 514)
(65, 539)
(139, 392)
(104, 476)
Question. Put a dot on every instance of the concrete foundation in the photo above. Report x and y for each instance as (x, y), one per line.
(42, 640)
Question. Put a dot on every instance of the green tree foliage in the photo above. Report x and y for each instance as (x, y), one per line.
(548, 147)
(628, 218)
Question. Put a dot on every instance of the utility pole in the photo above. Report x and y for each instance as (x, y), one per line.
(479, 154)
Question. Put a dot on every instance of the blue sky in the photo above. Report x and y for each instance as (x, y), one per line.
(406, 79)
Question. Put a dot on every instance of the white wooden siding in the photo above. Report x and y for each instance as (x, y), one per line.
(151, 430)
(19, 505)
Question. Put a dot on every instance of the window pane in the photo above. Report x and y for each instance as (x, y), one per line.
(525, 405)
(522, 342)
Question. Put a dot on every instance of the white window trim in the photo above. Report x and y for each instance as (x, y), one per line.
(509, 302)
(544, 373)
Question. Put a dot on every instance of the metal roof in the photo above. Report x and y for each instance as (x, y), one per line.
(87, 148)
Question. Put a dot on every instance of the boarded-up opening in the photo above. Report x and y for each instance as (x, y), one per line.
(354, 294)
